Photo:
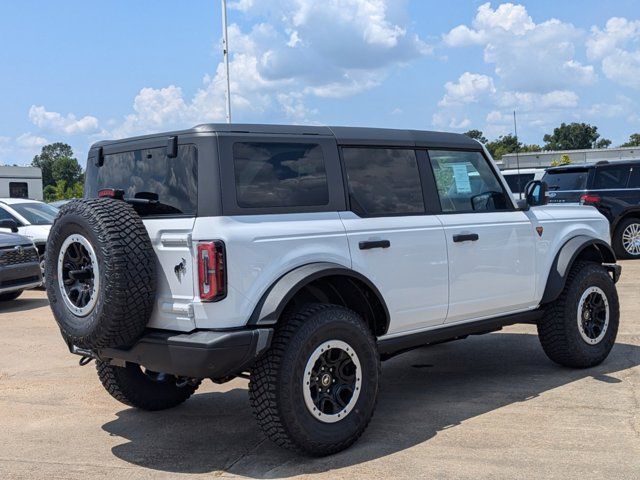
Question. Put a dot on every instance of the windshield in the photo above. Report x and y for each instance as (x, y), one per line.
(566, 179)
(36, 213)
(152, 182)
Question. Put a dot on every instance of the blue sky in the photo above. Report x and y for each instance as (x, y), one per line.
(80, 71)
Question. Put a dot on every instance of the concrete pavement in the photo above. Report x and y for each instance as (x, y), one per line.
(491, 406)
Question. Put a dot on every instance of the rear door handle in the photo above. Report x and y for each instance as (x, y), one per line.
(465, 237)
(369, 244)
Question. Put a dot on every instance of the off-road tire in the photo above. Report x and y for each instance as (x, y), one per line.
(276, 386)
(7, 297)
(127, 273)
(133, 387)
(616, 241)
(558, 329)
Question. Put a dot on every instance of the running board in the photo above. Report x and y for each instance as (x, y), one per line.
(388, 347)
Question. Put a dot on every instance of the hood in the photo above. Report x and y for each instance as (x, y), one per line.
(12, 239)
(38, 233)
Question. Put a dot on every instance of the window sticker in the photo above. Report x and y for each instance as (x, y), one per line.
(461, 178)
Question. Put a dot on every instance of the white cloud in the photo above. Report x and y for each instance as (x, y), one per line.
(28, 140)
(527, 56)
(55, 122)
(298, 50)
(16, 150)
(469, 88)
(618, 48)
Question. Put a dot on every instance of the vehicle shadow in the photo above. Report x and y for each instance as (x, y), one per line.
(422, 392)
(23, 304)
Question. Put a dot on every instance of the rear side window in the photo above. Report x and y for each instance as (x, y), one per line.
(280, 174)
(517, 182)
(573, 179)
(466, 183)
(383, 181)
(162, 185)
(611, 177)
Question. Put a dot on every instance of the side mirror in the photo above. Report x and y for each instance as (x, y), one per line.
(10, 224)
(535, 192)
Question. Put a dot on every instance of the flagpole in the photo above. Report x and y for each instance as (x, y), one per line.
(225, 52)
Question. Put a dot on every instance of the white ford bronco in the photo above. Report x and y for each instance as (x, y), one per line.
(299, 257)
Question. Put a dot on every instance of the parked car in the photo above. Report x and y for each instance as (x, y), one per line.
(19, 265)
(301, 256)
(613, 188)
(33, 219)
(517, 179)
(59, 203)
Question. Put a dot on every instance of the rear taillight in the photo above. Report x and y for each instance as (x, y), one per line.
(588, 199)
(211, 271)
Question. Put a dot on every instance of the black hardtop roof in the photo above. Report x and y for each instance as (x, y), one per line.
(343, 135)
(586, 166)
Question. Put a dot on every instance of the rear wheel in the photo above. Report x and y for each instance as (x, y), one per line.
(6, 297)
(315, 390)
(140, 388)
(579, 328)
(626, 239)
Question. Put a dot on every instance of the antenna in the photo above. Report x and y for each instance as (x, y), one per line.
(515, 128)
(225, 53)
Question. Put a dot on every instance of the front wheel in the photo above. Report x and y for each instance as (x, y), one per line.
(315, 389)
(579, 328)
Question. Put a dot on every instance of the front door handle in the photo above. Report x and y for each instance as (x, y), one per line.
(465, 237)
(369, 244)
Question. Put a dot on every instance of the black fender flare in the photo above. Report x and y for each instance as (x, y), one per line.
(274, 300)
(565, 258)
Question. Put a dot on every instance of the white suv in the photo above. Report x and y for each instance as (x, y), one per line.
(299, 257)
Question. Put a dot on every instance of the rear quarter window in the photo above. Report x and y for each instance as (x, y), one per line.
(279, 174)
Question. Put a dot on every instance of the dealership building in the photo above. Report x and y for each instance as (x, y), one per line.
(545, 159)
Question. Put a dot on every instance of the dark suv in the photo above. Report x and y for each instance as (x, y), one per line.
(613, 188)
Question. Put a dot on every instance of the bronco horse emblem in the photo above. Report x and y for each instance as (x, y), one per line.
(180, 269)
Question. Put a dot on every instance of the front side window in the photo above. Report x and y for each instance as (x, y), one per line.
(634, 177)
(466, 183)
(279, 175)
(18, 190)
(156, 184)
(611, 177)
(383, 181)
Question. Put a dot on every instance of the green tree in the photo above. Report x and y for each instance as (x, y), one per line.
(67, 169)
(62, 175)
(48, 156)
(575, 136)
(476, 135)
(503, 145)
(634, 141)
(564, 160)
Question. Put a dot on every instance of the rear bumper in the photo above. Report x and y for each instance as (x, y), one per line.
(20, 277)
(200, 354)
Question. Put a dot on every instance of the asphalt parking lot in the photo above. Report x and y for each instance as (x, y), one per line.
(489, 406)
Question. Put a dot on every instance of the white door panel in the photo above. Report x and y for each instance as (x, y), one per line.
(494, 274)
(411, 273)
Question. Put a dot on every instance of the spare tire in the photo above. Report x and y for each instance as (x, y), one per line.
(100, 273)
